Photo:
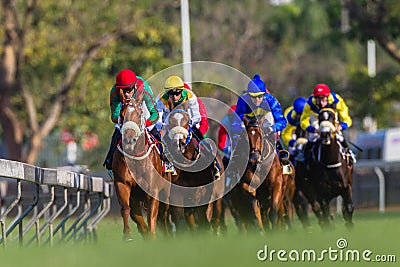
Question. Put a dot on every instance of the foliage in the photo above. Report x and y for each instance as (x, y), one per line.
(293, 46)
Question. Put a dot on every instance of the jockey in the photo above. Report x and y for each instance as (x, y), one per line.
(128, 85)
(322, 97)
(292, 115)
(258, 101)
(176, 94)
(203, 128)
(224, 143)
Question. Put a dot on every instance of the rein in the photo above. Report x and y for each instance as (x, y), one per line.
(141, 155)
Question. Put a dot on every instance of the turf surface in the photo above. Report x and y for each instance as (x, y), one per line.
(375, 232)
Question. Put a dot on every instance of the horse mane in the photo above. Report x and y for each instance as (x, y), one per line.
(184, 105)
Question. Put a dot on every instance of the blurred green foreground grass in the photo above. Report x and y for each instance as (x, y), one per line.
(379, 233)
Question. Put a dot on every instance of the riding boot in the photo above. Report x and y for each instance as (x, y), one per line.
(347, 148)
(169, 167)
(217, 169)
(283, 154)
(113, 145)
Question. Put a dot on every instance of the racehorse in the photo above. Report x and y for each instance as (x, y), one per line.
(330, 170)
(258, 197)
(137, 170)
(194, 170)
(303, 186)
(287, 208)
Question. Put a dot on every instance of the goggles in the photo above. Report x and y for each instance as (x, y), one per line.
(257, 96)
(129, 88)
(175, 92)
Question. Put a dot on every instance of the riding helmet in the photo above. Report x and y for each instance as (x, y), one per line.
(125, 78)
(173, 82)
(256, 86)
(321, 89)
(298, 104)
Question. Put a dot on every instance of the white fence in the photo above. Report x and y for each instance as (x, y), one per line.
(62, 205)
(376, 183)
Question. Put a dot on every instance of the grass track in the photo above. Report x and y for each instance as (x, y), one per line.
(377, 232)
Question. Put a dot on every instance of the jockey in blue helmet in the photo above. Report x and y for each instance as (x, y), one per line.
(292, 115)
(258, 101)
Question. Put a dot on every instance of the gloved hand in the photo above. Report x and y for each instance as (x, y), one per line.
(343, 125)
(292, 142)
(227, 150)
(159, 125)
(311, 129)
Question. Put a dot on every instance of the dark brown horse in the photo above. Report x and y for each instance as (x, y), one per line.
(303, 186)
(330, 170)
(262, 185)
(194, 187)
(137, 170)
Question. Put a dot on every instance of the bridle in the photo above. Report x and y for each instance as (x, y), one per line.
(258, 154)
(139, 129)
(179, 132)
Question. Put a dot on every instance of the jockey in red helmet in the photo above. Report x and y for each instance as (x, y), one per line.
(323, 97)
(128, 85)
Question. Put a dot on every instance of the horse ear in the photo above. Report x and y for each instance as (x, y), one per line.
(170, 105)
(262, 119)
(245, 120)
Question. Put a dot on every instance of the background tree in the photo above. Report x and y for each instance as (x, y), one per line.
(46, 47)
(59, 58)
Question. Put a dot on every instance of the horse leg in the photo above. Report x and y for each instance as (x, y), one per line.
(277, 199)
(202, 221)
(190, 216)
(162, 218)
(123, 192)
(348, 208)
(218, 218)
(288, 212)
(178, 217)
(325, 221)
(152, 214)
(300, 205)
(137, 216)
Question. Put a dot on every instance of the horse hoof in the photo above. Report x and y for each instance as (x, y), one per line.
(349, 225)
(127, 238)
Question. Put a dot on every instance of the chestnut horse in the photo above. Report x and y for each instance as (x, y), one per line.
(194, 172)
(258, 197)
(288, 208)
(330, 170)
(137, 170)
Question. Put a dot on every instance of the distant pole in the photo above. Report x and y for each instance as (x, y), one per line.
(187, 68)
(371, 58)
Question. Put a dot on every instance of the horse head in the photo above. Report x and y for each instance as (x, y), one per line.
(133, 123)
(255, 136)
(327, 129)
(179, 129)
(260, 135)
